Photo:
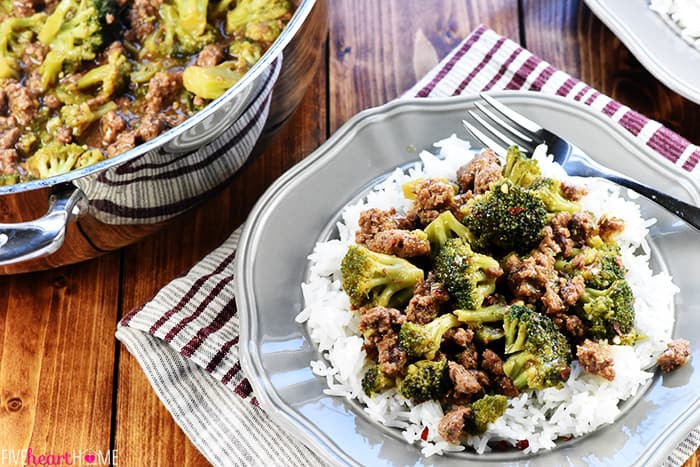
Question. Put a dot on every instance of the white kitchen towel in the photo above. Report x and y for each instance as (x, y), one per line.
(186, 338)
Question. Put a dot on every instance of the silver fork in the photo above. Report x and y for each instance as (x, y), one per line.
(506, 127)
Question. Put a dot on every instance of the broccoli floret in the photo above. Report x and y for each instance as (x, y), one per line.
(258, 20)
(540, 352)
(15, 35)
(507, 216)
(374, 381)
(111, 76)
(444, 227)
(54, 159)
(209, 82)
(609, 313)
(78, 117)
(468, 276)
(548, 190)
(424, 340)
(519, 169)
(376, 279)
(9, 179)
(89, 157)
(601, 265)
(425, 380)
(486, 411)
(192, 15)
(73, 33)
(489, 314)
(180, 30)
(245, 52)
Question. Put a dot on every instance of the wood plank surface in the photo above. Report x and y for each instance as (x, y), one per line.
(58, 357)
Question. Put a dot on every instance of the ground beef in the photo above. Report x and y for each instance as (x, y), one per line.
(427, 301)
(372, 221)
(52, 101)
(534, 278)
(469, 357)
(467, 382)
(675, 355)
(23, 8)
(162, 89)
(9, 137)
(211, 55)
(571, 324)
(480, 172)
(392, 358)
(125, 141)
(64, 135)
(433, 197)
(582, 226)
(22, 105)
(380, 319)
(111, 125)
(8, 161)
(452, 423)
(551, 300)
(142, 18)
(4, 102)
(560, 232)
(34, 54)
(573, 192)
(459, 337)
(572, 290)
(151, 126)
(401, 243)
(596, 359)
(610, 227)
(493, 365)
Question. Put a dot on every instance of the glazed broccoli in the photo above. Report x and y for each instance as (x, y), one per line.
(245, 52)
(489, 314)
(468, 276)
(548, 190)
(57, 158)
(484, 335)
(376, 279)
(507, 216)
(209, 82)
(424, 340)
(78, 117)
(15, 35)
(609, 313)
(111, 76)
(519, 169)
(9, 179)
(73, 34)
(374, 381)
(444, 227)
(182, 30)
(540, 354)
(600, 266)
(425, 380)
(258, 20)
(484, 412)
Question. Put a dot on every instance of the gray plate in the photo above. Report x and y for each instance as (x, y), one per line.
(299, 209)
(657, 44)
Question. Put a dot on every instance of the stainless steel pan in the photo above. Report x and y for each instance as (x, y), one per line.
(122, 199)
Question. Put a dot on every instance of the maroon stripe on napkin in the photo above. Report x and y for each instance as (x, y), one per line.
(191, 293)
(220, 354)
(473, 37)
(523, 73)
(244, 389)
(487, 58)
(611, 107)
(668, 143)
(566, 88)
(235, 369)
(542, 78)
(633, 122)
(692, 161)
(502, 70)
(223, 317)
(582, 93)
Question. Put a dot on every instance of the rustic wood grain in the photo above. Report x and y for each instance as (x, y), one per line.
(143, 423)
(568, 35)
(379, 49)
(56, 358)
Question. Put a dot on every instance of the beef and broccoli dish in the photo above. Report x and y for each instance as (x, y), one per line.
(82, 80)
(489, 287)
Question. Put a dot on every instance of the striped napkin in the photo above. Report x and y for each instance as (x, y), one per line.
(186, 338)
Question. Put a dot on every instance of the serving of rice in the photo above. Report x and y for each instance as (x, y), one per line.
(584, 403)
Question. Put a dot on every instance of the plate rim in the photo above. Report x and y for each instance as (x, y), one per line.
(251, 363)
(636, 46)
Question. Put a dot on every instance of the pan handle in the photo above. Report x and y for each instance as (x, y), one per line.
(28, 240)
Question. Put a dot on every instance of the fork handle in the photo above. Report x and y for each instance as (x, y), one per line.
(689, 213)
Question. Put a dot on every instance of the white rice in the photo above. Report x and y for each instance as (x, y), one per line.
(584, 403)
(683, 15)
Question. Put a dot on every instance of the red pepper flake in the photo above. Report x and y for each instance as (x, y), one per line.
(522, 444)
(565, 438)
(424, 434)
(515, 210)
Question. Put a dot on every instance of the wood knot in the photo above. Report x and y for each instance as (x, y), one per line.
(60, 282)
(14, 404)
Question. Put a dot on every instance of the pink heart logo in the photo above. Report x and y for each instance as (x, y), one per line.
(89, 458)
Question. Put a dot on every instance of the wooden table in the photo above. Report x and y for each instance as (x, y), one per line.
(66, 384)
